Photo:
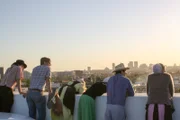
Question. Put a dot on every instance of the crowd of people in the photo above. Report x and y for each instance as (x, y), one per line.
(61, 101)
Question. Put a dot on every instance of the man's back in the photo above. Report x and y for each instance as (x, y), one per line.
(117, 89)
(39, 76)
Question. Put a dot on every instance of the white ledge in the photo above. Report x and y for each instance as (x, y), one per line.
(135, 107)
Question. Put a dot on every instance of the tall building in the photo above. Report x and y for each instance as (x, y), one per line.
(136, 64)
(1, 72)
(113, 66)
(89, 69)
(130, 64)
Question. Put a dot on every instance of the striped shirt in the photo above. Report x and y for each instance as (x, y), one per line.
(39, 76)
(12, 75)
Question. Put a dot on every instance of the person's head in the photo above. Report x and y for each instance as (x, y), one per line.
(158, 68)
(20, 63)
(120, 69)
(45, 61)
(122, 72)
(163, 67)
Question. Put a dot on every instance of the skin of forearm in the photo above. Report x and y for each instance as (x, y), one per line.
(19, 87)
(48, 84)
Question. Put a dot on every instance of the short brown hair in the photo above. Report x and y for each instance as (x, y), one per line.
(44, 59)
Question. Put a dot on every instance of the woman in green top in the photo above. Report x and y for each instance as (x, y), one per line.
(86, 109)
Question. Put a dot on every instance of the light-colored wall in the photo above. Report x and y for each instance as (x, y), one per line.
(135, 107)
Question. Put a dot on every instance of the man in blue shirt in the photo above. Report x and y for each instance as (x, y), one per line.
(118, 88)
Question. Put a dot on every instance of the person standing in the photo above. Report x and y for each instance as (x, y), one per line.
(36, 99)
(118, 87)
(13, 76)
(160, 90)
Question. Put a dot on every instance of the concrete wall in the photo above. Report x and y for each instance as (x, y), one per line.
(135, 107)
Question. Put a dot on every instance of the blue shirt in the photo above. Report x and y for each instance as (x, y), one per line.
(118, 88)
(39, 76)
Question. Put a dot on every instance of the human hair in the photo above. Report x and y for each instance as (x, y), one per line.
(119, 72)
(44, 59)
(20, 62)
(163, 67)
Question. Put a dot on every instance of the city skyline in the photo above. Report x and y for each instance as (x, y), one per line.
(136, 64)
(77, 34)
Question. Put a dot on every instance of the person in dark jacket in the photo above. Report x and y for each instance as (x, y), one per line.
(86, 109)
(160, 90)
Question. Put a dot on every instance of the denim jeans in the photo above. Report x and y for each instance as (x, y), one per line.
(36, 101)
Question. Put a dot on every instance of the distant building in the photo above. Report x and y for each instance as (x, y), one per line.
(63, 73)
(113, 66)
(78, 73)
(130, 64)
(89, 69)
(150, 66)
(143, 66)
(1, 72)
(136, 64)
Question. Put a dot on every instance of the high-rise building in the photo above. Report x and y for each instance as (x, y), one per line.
(89, 69)
(1, 72)
(113, 66)
(130, 64)
(136, 64)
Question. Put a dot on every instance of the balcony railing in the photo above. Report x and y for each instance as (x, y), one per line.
(135, 107)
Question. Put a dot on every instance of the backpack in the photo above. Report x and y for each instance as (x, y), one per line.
(69, 96)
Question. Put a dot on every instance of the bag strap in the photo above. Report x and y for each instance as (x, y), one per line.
(72, 85)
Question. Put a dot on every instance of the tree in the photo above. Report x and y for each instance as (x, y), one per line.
(26, 82)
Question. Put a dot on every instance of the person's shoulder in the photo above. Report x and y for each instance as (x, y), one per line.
(15, 67)
(46, 67)
(125, 78)
(42, 67)
(35, 68)
(166, 74)
(152, 74)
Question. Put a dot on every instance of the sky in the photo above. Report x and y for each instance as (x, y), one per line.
(76, 34)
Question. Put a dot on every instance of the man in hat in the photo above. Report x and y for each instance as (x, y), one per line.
(118, 87)
(13, 76)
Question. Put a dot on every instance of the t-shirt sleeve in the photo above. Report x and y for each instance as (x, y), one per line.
(48, 73)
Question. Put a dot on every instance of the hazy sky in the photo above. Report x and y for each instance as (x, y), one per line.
(80, 33)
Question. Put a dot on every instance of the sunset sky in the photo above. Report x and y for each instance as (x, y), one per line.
(80, 33)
